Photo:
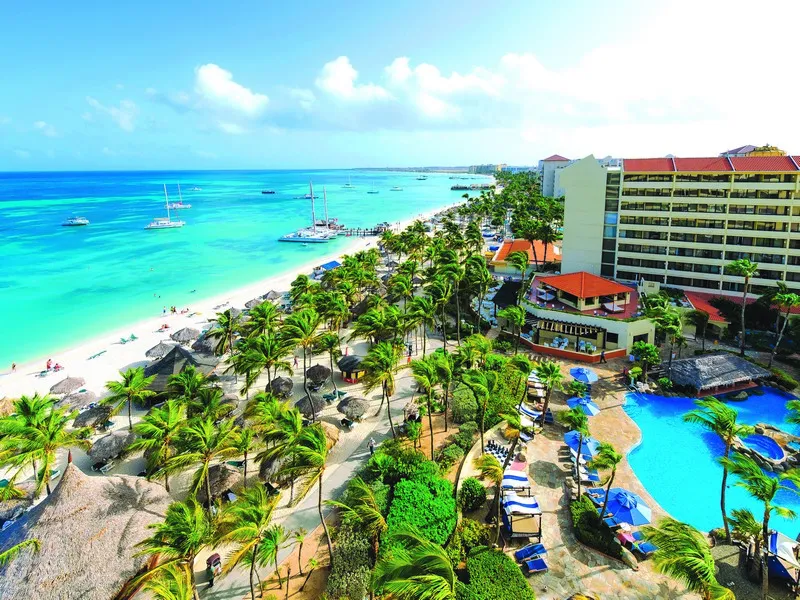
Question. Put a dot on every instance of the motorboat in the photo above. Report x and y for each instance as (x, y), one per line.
(195, 189)
(267, 191)
(75, 222)
(396, 189)
(165, 223)
(422, 178)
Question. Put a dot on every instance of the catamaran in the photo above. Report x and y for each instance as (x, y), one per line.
(422, 178)
(310, 234)
(179, 204)
(161, 223)
(330, 224)
(348, 185)
(75, 222)
(396, 188)
(373, 190)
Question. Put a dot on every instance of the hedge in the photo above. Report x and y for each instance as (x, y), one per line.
(783, 379)
(448, 456)
(464, 407)
(350, 575)
(395, 461)
(472, 494)
(590, 529)
(426, 503)
(493, 575)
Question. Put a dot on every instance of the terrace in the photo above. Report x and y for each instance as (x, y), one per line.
(584, 293)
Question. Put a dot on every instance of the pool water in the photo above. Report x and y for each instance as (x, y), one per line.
(764, 445)
(677, 461)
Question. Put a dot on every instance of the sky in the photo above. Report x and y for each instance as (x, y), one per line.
(274, 85)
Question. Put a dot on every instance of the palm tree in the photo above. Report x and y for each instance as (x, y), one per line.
(720, 419)
(176, 542)
(264, 352)
(698, 318)
(514, 316)
(380, 365)
(522, 366)
(519, 260)
(300, 329)
(454, 273)
(299, 287)
(246, 442)
(171, 583)
(424, 310)
(225, 331)
(28, 411)
(763, 488)
(401, 288)
(246, 523)
(331, 343)
(360, 508)
(203, 442)
(482, 384)
(209, 403)
(185, 385)
(427, 377)
(747, 528)
(550, 376)
(576, 420)
(482, 346)
(440, 290)
(132, 388)
(156, 435)
(8, 555)
(311, 452)
(275, 539)
(478, 277)
(667, 321)
(746, 269)
(445, 367)
(489, 468)
(684, 554)
(280, 437)
(416, 569)
(786, 301)
(607, 458)
(263, 318)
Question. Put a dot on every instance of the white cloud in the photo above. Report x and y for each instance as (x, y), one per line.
(46, 129)
(108, 151)
(231, 128)
(119, 86)
(22, 153)
(305, 98)
(5, 120)
(123, 115)
(87, 116)
(216, 85)
(338, 78)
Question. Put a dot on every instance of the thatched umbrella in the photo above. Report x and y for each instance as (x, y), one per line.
(14, 507)
(93, 417)
(70, 384)
(318, 374)
(281, 386)
(112, 445)
(79, 400)
(159, 350)
(272, 295)
(221, 478)
(269, 469)
(6, 406)
(252, 303)
(351, 369)
(176, 361)
(353, 408)
(88, 529)
(310, 405)
(185, 335)
(331, 433)
(205, 345)
(235, 312)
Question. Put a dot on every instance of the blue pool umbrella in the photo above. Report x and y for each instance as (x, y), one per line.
(583, 374)
(586, 404)
(628, 507)
(589, 446)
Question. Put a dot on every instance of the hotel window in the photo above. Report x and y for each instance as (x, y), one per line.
(647, 177)
(705, 283)
(608, 257)
(703, 223)
(768, 274)
(612, 178)
(672, 280)
(698, 208)
(607, 270)
(610, 218)
(793, 260)
(730, 286)
(609, 231)
(609, 245)
(792, 276)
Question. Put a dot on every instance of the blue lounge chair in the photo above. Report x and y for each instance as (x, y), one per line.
(641, 545)
(530, 551)
(536, 565)
(612, 522)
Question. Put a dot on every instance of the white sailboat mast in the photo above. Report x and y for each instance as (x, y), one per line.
(180, 197)
(313, 216)
(325, 201)
(166, 199)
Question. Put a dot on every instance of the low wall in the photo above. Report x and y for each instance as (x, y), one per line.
(571, 355)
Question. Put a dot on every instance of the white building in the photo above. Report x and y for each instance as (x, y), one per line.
(549, 171)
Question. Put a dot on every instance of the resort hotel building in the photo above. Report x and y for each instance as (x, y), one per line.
(678, 221)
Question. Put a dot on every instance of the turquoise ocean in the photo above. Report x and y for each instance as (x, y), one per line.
(60, 286)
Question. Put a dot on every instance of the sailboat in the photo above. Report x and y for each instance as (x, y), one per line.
(331, 225)
(348, 185)
(179, 204)
(373, 190)
(167, 223)
(310, 234)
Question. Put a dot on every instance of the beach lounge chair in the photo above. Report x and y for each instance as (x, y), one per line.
(530, 551)
(237, 464)
(123, 340)
(341, 393)
(536, 565)
(641, 545)
(329, 397)
(612, 522)
(133, 338)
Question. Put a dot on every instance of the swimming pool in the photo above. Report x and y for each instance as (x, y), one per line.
(677, 461)
(765, 446)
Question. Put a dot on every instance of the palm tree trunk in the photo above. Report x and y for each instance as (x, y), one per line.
(458, 316)
(430, 420)
(300, 557)
(208, 495)
(305, 387)
(424, 339)
(669, 365)
(166, 482)
(741, 317)
(252, 571)
(765, 545)
(483, 418)
(130, 422)
(244, 475)
(577, 463)
(278, 571)
(516, 344)
(333, 380)
(546, 404)
(780, 337)
(47, 483)
(307, 578)
(446, 404)
(389, 411)
(444, 328)
(322, 518)
(722, 496)
(608, 489)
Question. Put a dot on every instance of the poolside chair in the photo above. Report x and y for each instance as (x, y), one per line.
(237, 464)
(530, 551)
(641, 545)
(536, 565)
(612, 522)
(123, 340)
(329, 397)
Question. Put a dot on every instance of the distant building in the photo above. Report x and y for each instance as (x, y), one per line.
(487, 169)
(740, 151)
(501, 267)
(549, 171)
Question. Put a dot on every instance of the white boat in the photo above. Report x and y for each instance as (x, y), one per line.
(162, 223)
(396, 188)
(348, 185)
(195, 189)
(179, 204)
(373, 190)
(75, 222)
(421, 178)
(311, 234)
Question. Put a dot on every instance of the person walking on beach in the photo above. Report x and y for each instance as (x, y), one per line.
(295, 361)
(13, 367)
(49, 364)
(603, 356)
(164, 310)
(372, 445)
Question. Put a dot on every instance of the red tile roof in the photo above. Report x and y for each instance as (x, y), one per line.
(699, 301)
(555, 157)
(510, 246)
(585, 285)
(713, 164)
(763, 163)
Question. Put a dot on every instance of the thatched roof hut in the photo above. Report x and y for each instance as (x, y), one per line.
(318, 373)
(353, 408)
(88, 528)
(253, 303)
(81, 399)
(70, 384)
(310, 405)
(281, 386)
(111, 445)
(221, 477)
(174, 362)
(205, 345)
(272, 295)
(710, 372)
(185, 335)
(159, 350)
(350, 366)
(6, 406)
(93, 417)
(331, 433)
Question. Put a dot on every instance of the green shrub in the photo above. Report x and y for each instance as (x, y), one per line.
(464, 407)
(463, 592)
(465, 437)
(782, 379)
(472, 494)
(427, 503)
(394, 461)
(502, 345)
(590, 529)
(448, 456)
(665, 384)
(349, 577)
(493, 575)
(468, 535)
